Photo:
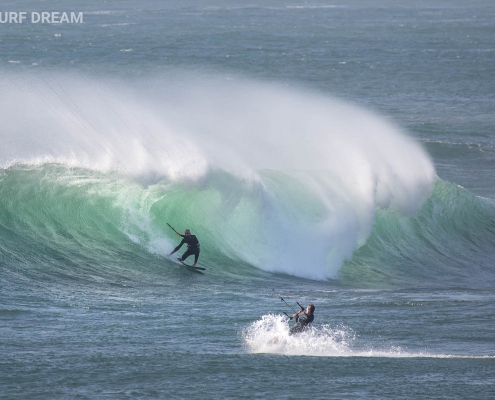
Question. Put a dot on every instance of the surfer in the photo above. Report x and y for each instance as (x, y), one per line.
(192, 246)
(304, 322)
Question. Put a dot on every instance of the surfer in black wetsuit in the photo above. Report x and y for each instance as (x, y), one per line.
(303, 322)
(192, 246)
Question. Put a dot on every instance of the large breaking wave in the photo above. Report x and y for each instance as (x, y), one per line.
(277, 178)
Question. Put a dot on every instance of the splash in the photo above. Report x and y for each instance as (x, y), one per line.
(269, 335)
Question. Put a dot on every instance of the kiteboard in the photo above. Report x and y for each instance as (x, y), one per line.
(190, 266)
(256, 345)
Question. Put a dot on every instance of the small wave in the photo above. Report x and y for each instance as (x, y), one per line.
(105, 12)
(13, 312)
(315, 7)
(118, 24)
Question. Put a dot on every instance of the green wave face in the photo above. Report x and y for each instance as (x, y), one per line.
(271, 180)
(58, 220)
(73, 223)
(450, 242)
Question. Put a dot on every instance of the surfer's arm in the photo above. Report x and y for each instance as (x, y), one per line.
(296, 315)
(178, 247)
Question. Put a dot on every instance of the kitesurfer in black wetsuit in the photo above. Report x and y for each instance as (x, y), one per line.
(304, 322)
(192, 246)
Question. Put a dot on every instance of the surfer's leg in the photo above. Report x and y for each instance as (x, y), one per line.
(186, 254)
(297, 328)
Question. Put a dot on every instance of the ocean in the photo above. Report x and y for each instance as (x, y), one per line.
(340, 153)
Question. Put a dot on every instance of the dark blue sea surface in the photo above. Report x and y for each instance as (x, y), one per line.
(336, 153)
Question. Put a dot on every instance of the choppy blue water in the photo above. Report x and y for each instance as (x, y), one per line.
(339, 153)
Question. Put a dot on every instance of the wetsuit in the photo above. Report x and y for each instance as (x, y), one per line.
(302, 324)
(192, 247)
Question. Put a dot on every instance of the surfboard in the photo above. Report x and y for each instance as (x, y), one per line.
(272, 342)
(251, 344)
(195, 269)
(190, 266)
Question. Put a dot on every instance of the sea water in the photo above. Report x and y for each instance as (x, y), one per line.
(336, 153)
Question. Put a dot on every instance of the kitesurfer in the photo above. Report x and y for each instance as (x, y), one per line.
(304, 322)
(192, 246)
